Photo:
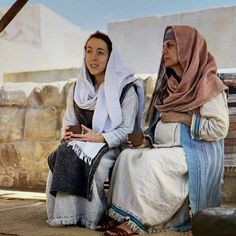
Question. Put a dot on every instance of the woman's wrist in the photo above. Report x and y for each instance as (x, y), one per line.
(101, 139)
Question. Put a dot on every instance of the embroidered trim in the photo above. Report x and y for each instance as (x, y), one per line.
(121, 215)
(196, 127)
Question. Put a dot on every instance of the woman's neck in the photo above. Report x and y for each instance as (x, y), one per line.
(98, 80)
(179, 71)
(178, 76)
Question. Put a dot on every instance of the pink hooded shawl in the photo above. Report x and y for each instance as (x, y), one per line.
(199, 82)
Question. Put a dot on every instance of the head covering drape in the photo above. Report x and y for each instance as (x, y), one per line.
(106, 101)
(199, 82)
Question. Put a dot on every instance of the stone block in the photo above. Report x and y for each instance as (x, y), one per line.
(41, 124)
(46, 95)
(9, 156)
(10, 165)
(68, 85)
(39, 170)
(15, 94)
(229, 186)
(41, 151)
(11, 98)
(11, 123)
(6, 181)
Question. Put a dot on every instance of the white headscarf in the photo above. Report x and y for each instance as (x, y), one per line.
(106, 102)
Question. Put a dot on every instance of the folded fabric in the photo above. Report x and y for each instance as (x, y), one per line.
(73, 169)
(86, 151)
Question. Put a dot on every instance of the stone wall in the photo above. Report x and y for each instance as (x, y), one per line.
(30, 128)
(30, 123)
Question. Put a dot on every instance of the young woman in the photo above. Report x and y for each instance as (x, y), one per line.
(107, 101)
(180, 164)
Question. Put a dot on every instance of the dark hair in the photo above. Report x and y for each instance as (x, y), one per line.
(102, 36)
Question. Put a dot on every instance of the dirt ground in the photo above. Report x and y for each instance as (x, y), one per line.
(28, 218)
(24, 214)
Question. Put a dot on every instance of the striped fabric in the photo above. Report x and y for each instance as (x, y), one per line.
(195, 127)
(116, 211)
(205, 165)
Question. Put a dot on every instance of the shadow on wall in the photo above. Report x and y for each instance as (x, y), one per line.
(43, 76)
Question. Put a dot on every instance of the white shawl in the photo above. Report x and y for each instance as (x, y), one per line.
(105, 102)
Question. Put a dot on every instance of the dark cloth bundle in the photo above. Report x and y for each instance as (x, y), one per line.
(70, 173)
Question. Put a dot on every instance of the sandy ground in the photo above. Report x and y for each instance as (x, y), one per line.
(24, 214)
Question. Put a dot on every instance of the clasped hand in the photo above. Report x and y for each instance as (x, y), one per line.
(87, 135)
(145, 144)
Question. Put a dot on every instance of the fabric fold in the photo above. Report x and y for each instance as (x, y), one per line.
(73, 171)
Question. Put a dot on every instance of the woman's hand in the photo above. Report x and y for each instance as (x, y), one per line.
(145, 143)
(67, 134)
(88, 136)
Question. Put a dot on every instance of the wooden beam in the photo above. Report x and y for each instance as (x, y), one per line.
(11, 13)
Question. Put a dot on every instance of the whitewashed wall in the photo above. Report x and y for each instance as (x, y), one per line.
(140, 40)
(38, 39)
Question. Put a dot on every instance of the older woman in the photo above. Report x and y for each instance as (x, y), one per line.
(179, 166)
(107, 101)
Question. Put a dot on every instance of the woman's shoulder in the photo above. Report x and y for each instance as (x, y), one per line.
(128, 91)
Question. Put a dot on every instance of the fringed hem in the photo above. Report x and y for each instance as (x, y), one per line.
(116, 216)
(184, 227)
(63, 221)
(74, 220)
(84, 221)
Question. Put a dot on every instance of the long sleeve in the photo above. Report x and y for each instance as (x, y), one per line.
(129, 112)
(213, 121)
(69, 117)
(119, 135)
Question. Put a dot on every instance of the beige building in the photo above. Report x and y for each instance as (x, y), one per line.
(140, 40)
(41, 46)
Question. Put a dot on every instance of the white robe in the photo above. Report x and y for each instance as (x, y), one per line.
(149, 187)
(66, 209)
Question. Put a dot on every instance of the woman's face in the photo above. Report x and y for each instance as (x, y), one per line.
(96, 56)
(170, 56)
